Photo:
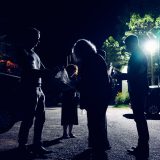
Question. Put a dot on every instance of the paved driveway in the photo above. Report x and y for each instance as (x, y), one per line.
(122, 135)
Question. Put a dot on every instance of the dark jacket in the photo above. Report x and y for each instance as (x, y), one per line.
(94, 84)
(137, 73)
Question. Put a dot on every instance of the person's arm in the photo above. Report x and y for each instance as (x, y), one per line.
(119, 75)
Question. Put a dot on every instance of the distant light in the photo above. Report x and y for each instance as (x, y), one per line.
(150, 46)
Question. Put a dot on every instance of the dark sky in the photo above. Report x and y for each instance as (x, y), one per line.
(62, 22)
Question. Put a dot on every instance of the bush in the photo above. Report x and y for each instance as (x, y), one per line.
(122, 98)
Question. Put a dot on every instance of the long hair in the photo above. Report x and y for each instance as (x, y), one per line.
(83, 48)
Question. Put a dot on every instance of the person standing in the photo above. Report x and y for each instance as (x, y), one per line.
(104, 55)
(32, 96)
(138, 89)
(69, 116)
(94, 94)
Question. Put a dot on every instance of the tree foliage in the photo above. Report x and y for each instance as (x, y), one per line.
(116, 53)
(145, 27)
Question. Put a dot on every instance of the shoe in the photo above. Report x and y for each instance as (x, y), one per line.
(22, 148)
(40, 150)
(72, 136)
(108, 147)
(139, 152)
(23, 151)
(65, 136)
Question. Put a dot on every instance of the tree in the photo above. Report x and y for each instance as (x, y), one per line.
(145, 27)
(116, 53)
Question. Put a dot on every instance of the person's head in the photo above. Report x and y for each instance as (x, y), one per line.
(102, 53)
(131, 43)
(29, 37)
(72, 70)
(82, 49)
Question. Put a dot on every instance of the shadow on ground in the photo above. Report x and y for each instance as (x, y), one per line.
(28, 155)
(148, 116)
(17, 155)
(52, 142)
(87, 155)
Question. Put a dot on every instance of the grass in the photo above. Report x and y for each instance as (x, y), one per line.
(121, 106)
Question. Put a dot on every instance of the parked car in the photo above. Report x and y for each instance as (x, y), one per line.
(153, 100)
(9, 107)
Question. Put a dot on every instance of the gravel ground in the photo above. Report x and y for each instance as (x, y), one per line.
(121, 131)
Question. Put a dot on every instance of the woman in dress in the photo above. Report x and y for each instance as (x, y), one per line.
(70, 98)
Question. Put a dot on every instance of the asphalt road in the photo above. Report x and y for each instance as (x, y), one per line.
(121, 131)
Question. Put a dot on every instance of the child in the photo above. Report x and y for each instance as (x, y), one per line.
(69, 115)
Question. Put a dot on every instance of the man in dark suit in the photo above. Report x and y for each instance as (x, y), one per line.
(138, 88)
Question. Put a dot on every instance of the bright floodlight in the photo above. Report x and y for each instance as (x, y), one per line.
(151, 46)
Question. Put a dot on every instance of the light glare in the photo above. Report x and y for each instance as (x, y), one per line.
(150, 46)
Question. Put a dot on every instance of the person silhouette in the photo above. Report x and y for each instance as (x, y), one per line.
(32, 96)
(138, 89)
(102, 53)
(93, 93)
(69, 116)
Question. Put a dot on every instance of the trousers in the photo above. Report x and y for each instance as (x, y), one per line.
(34, 107)
(138, 104)
(96, 116)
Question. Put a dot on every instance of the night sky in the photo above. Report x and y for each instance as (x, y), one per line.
(62, 22)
